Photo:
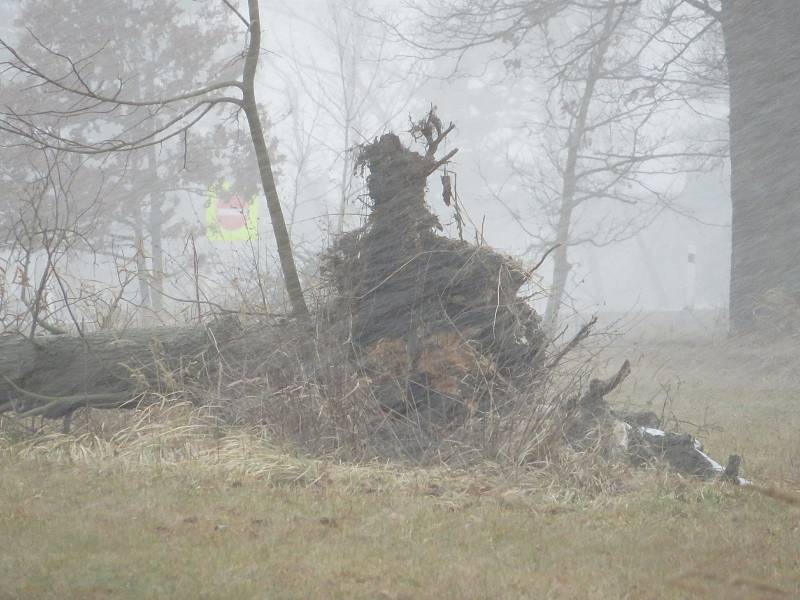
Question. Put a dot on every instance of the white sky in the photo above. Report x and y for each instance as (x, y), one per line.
(644, 273)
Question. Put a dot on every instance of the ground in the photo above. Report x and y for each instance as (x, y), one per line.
(83, 520)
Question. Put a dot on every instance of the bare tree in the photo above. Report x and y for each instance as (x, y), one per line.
(155, 120)
(612, 133)
(352, 83)
(606, 137)
(44, 226)
(732, 54)
(144, 189)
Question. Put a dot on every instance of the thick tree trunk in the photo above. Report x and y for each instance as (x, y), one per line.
(54, 375)
(763, 54)
(51, 376)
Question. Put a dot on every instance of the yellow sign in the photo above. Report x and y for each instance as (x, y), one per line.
(229, 217)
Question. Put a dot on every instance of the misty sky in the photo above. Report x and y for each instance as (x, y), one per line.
(298, 84)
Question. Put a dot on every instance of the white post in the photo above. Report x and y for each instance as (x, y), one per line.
(691, 275)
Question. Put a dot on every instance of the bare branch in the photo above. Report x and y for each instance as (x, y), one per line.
(705, 7)
(27, 68)
(237, 13)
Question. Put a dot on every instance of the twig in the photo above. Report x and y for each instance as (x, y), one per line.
(439, 163)
(599, 388)
(541, 261)
(704, 6)
(237, 13)
(582, 334)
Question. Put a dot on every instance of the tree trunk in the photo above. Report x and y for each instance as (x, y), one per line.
(561, 264)
(282, 239)
(156, 225)
(344, 183)
(141, 266)
(51, 376)
(762, 45)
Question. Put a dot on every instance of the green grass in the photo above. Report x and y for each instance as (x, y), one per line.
(81, 520)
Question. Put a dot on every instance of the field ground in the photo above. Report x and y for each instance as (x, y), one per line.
(93, 523)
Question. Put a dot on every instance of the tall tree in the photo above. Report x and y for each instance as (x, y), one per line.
(607, 138)
(157, 115)
(762, 46)
(762, 55)
(139, 198)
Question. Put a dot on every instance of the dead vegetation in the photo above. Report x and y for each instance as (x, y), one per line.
(140, 488)
(423, 349)
(174, 479)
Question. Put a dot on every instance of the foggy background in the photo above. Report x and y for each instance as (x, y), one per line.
(334, 74)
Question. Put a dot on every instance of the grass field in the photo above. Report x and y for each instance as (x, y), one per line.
(84, 519)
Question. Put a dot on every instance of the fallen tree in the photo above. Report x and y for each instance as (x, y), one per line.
(423, 342)
(422, 307)
(52, 376)
(415, 306)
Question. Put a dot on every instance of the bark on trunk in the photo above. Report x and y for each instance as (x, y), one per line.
(282, 239)
(763, 54)
(344, 183)
(54, 375)
(51, 376)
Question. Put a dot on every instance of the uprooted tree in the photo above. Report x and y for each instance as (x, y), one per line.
(414, 304)
(423, 341)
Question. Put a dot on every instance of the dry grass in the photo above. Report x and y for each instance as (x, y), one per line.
(737, 395)
(172, 505)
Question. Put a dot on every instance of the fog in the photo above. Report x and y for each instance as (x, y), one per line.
(333, 75)
(399, 299)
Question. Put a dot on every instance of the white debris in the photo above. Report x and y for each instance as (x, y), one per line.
(651, 431)
(698, 447)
